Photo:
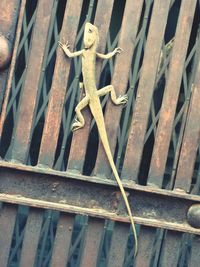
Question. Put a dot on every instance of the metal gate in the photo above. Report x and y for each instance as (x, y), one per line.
(60, 205)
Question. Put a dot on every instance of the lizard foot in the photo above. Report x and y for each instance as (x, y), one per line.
(122, 100)
(76, 125)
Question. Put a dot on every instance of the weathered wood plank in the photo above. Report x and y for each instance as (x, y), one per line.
(145, 90)
(92, 241)
(127, 38)
(78, 146)
(118, 245)
(190, 141)
(62, 240)
(7, 223)
(30, 89)
(170, 98)
(31, 238)
(58, 88)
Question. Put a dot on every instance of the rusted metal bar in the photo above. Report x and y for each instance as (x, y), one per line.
(12, 65)
(190, 141)
(171, 249)
(118, 245)
(8, 21)
(58, 89)
(7, 223)
(185, 112)
(96, 197)
(145, 248)
(92, 241)
(29, 95)
(78, 147)
(62, 240)
(169, 103)
(31, 238)
(145, 90)
(127, 38)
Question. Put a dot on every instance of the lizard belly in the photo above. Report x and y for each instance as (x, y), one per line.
(88, 70)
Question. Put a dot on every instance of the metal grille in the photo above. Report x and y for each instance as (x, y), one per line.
(148, 137)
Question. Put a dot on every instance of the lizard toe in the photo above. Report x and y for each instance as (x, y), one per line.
(76, 125)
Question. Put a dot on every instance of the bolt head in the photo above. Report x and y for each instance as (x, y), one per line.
(193, 215)
(5, 53)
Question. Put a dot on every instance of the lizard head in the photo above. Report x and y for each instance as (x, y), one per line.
(91, 36)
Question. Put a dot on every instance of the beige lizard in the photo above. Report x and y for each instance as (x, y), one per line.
(89, 54)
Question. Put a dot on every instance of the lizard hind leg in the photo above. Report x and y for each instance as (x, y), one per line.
(121, 100)
(80, 121)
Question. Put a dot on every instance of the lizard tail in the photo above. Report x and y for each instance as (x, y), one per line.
(104, 140)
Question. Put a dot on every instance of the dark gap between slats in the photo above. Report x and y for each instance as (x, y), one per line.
(46, 239)
(18, 235)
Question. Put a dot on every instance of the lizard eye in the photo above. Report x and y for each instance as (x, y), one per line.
(89, 30)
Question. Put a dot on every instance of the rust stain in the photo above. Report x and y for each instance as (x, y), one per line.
(9, 11)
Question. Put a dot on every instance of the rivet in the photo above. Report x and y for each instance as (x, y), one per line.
(5, 52)
(193, 215)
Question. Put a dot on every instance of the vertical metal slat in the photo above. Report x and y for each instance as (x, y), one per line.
(58, 89)
(92, 242)
(145, 90)
(29, 93)
(8, 21)
(31, 238)
(169, 103)
(7, 223)
(145, 246)
(62, 240)
(12, 65)
(190, 141)
(78, 147)
(195, 255)
(118, 245)
(127, 38)
(170, 249)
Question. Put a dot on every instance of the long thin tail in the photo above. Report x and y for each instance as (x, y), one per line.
(104, 140)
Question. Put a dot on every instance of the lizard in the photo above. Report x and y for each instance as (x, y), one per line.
(91, 98)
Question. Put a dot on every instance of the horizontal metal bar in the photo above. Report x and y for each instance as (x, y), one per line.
(75, 193)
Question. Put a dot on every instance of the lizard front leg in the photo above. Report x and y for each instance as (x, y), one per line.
(121, 100)
(117, 50)
(65, 48)
(80, 121)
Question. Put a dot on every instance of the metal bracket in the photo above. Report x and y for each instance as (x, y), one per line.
(93, 196)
